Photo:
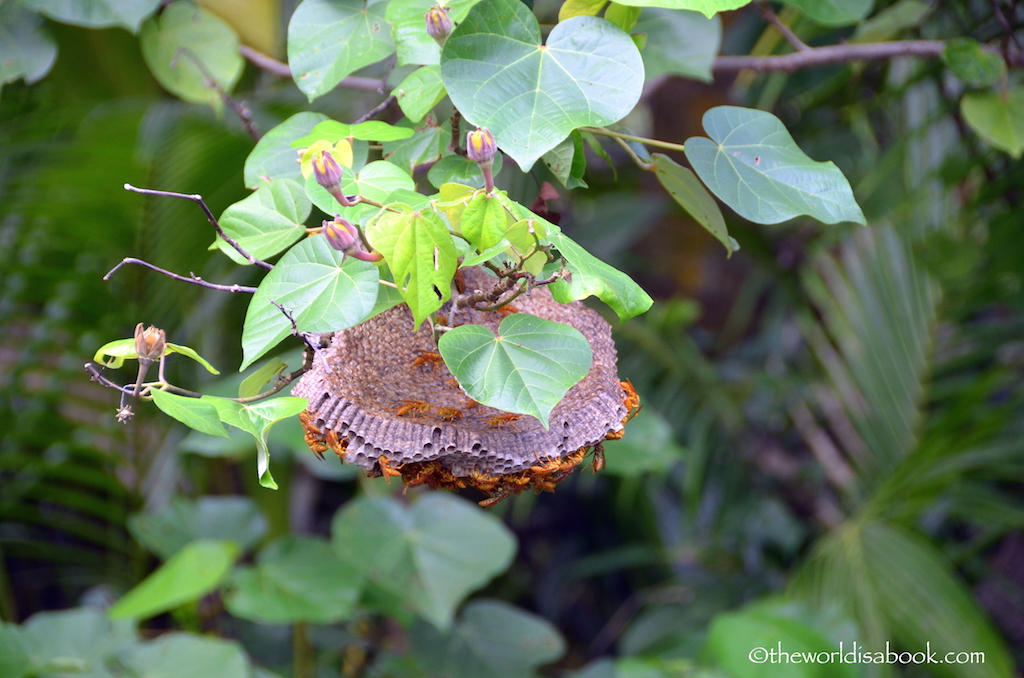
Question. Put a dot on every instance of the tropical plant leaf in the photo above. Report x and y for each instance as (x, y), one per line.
(431, 553)
(491, 638)
(75, 641)
(691, 195)
(371, 130)
(191, 573)
(420, 92)
(226, 518)
(267, 222)
(753, 165)
(708, 7)
(972, 64)
(454, 169)
(589, 276)
(255, 382)
(376, 181)
(192, 54)
(679, 43)
(415, 46)
(421, 255)
(425, 146)
(567, 161)
(526, 368)
(257, 419)
(14, 658)
(998, 118)
(319, 287)
(499, 76)
(185, 655)
(274, 156)
(26, 50)
(96, 13)
(328, 40)
(193, 412)
(484, 221)
(900, 588)
(295, 579)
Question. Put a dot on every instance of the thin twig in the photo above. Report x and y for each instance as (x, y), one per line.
(96, 374)
(192, 278)
(240, 109)
(834, 54)
(198, 199)
(791, 37)
(376, 109)
(272, 65)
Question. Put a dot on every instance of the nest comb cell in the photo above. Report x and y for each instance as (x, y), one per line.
(382, 399)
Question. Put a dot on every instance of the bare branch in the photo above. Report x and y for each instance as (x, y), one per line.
(96, 374)
(813, 57)
(272, 65)
(198, 199)
(192, 278)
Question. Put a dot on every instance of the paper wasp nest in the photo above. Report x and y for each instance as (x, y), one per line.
(381, 398)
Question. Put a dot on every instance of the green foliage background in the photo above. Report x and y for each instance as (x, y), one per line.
(831, 447)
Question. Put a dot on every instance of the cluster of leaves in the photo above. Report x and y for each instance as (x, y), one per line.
(497, 74)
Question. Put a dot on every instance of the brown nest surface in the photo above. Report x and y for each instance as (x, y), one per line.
(381, 398)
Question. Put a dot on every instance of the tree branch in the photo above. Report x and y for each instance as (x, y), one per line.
(771, 17)
(193, 278)
(272, 65)
(198, 199)
(813, 57)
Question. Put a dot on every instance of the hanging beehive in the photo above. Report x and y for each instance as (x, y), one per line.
(381, 398)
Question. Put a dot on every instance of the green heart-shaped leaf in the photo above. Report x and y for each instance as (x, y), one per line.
(531, 96)
(165, 533)
(679, 43)
(257, 419)
(753, 165)
(266, 222)
(421, 254)
(26, 49)
(186, 48)
(274, 156)
(431, 553)
(320, 290)
(484, 221)
(527, 368)
(296, 579)
(329, 40)
(997, 118)
(96, 13)
(375, 181)
(177, 654)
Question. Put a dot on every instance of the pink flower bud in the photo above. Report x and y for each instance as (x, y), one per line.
(327, 171)
(341, 234)
(439, 26)
(480, 146)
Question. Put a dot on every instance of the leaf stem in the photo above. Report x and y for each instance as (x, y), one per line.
(632, 154)
(629, 137)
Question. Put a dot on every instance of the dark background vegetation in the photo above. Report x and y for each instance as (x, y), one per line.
(833, 418)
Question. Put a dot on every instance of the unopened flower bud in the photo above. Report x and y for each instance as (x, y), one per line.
(439, 25)
(480, 146)
(327, 171)
(149, 342)
(341, 234)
